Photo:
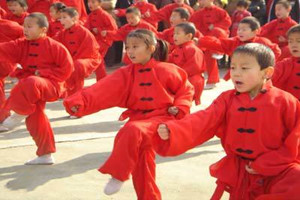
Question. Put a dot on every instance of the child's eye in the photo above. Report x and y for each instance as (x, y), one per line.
(244, 68)
(135, 47)
(232, 68)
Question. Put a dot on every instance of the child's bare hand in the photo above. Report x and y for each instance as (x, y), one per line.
(250, 170)
(147, 14)
(103, 33)
(95, 30)
(75, 109)
(173, 110)
(163, 132)
(211, 27)
(196, 40)
(37, 73)
(116, 12)
(282, 39)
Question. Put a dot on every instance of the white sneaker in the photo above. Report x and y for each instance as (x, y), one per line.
(217, 56)
(73, 117)
(113, 186)
(13, 121)
(3, 128)
(210, 86)
(42, 160)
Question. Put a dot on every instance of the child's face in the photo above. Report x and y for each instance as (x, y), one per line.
(246, 74)
(175, 19)
(94, 4)
(180, 37)
(67, 21)
(138, 51)
(179, 1)
(281, 12)
(32, 31)
(15, 8)
(245, 33)
(54, 14)
(294, 44)
(133, 19)
(240, 8)
(205, 3)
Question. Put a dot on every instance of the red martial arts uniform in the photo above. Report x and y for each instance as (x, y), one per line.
(262, 133)
(190, 58)
(9, 30)
(42, 6)
(287, 76)
(147, 91)
(143, 7)
(54, 27)
(3, 5)
(228, 45)
(165, 12)
(53, 64)
(168, 35)
(278, 28)
(202, 19)
(121, 34)
(236, 17)
(84, 49)
(18, 19)
(3, 13)
(80, 7)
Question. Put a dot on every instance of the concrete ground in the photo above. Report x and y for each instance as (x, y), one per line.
(83, 145)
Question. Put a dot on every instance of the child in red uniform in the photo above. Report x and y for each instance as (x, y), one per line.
(134, 21)
(259, 128)
(239, 14)
(18, 10)
(287, 71)
(276, 29)
(179, 15)
(153, 92)
(9, 30)
(46, 64)
(147, 10)
(213, 21)
(80, 7)
(189, 57)
(247, 31)
(83, 47)
(42, 6)
(97, 21)
(55, 12)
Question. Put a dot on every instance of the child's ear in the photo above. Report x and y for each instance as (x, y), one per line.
(190, 35)
(152, 49)
(269, 71)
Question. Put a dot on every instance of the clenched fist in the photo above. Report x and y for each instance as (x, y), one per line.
(163, 132)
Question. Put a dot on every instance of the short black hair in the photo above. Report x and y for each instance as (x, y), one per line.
(22, 3)
(243, 3)
(293, 29)
(59, 6)
(263, 54)
(284, 3)
(42, 20)
(187, 28)
(252, 21)
(183, 12)
(72, 12)
(133, 10)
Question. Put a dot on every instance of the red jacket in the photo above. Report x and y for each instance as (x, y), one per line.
(18, 19)
(3, 5)
(79, 5)
(145, 90)
(2, 13)
(264, 130)
(122, 32)
(45, 55)
(42, 6)
(276, 28)
(143, 7)
(236, 17)
(168, 34)
(213, 15)
(54, 28)
(165, 12)
(287, 76)
(189, 57)
(10, 30)
(101, 20)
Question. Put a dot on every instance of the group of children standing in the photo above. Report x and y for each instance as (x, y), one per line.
(163, 76)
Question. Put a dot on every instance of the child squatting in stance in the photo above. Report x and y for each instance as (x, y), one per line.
(258, 125)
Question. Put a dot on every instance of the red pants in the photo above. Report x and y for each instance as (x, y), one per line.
(198, 82)
(211, 63)
(82, 69)
(133, 154)
(29, 97)
(100, 71)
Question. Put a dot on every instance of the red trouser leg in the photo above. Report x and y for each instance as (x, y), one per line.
(212, 68)
(198, 82)
(133, 154)
(100, 71)
(28, 97)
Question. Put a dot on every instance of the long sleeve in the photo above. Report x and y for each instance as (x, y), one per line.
(11, 51)
(194, 129)
(194, 63)
(117, 35)
(275, 161)
(267, 29)
(102, 95)
(224, 45)
(225, 22)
